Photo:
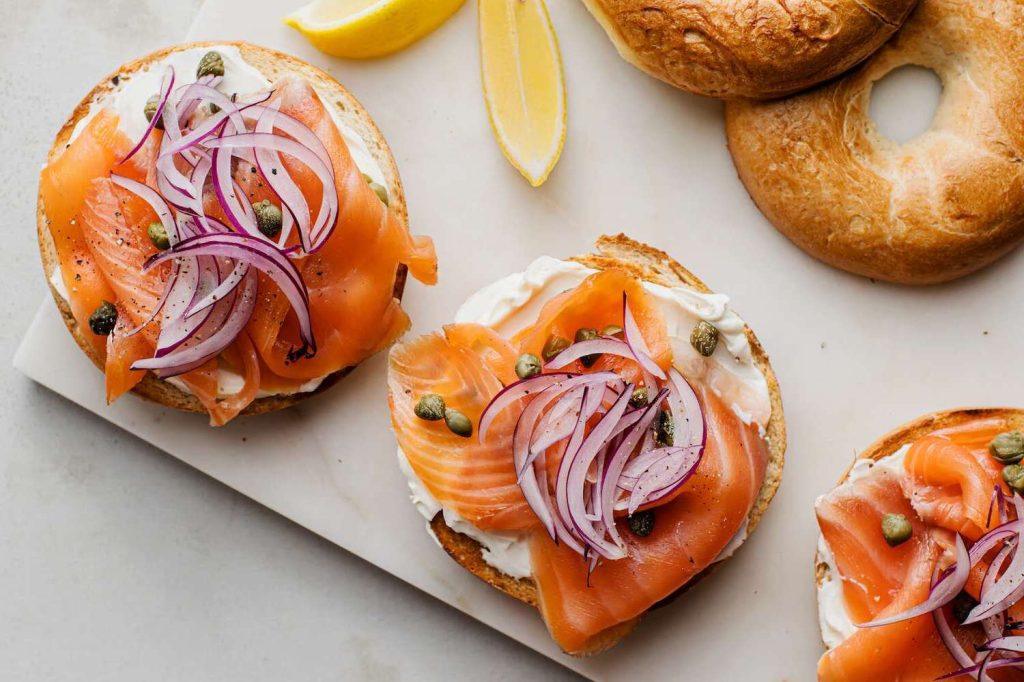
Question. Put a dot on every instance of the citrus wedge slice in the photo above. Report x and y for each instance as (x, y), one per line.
(363, 29)
(523, 84)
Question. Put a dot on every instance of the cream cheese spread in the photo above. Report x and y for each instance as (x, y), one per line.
(833, 617)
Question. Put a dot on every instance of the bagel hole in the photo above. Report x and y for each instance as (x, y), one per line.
(904, 102)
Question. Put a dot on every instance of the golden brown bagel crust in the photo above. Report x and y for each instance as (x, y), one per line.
(755, 49)
(655, 266)
(915, 430)
(273, 65)
(936, 208)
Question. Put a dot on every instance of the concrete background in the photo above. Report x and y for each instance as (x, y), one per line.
(120, 563)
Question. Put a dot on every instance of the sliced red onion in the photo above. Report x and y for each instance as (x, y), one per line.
(155, 201)
(636, 342)
(665, 476)
(943, 592)
(687, 415)
(572, 476)
(1004, 591)
(603, 346)
(262, 256)
(270, 165)
(239, 272)
(608, 481)
(165, 92)
(211, 346)
(525, 388)
(975, 670)
(956, 649)
(1013, 643)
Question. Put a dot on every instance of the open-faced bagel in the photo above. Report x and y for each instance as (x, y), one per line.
(933, 209)
(748, 48)
(649, 264)
(274, 65)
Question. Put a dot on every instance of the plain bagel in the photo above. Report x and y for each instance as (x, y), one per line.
(936, 208)
(273, 65)
(748, 48)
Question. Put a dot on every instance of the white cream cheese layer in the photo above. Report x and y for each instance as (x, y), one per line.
(833, 618)
(514, 302)
(128, 99)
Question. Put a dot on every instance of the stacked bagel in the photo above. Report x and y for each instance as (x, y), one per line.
(798, 76)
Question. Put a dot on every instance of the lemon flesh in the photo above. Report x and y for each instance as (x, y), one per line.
(523, 84)
(363, 29)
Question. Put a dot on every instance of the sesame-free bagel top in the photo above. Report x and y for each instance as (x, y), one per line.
(748, 48)
(933, 209)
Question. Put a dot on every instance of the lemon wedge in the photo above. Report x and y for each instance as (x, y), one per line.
(523, 84)
(362, 29)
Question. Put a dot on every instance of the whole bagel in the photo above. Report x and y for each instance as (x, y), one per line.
(754, 49)
(936, 208)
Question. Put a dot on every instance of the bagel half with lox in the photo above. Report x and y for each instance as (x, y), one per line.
(917, 566)
(591, 436)
(747, 49)
(199, 220)
(930, 210)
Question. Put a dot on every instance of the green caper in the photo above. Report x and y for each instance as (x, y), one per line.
(554, 345)
(666, 432)
(212, 64)
(528, 365)
(1013, 474)
(963, 604)
(430, 407)
(1008, 448)
(268, 218)
(642, 523)
(587, 334)
(640, 397)
(612, 330)
(704, 338)
(158, 235)
(896, 529)
(103, 319)
(152, 106)
(458, 423)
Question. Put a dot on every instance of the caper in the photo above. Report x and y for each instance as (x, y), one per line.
(158, 235)
(554, 345)
(458, 423)
(1008, 448)
(103, 319)
(212, 64)
(642, 523)
(963, 604)
(152, 106)
(1013, 474)
(430, 407)
(612, 330)
(528, 365)
(704, 338)
(666, 432)
(587, 334)
(896, 529)
(268, 218)
(640, 397)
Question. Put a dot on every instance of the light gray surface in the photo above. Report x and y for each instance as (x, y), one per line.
(118, 562)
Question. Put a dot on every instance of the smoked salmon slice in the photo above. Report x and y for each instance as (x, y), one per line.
(476, 480)
(690, 532)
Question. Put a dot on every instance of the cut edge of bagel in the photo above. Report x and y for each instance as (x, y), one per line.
(652, 265)
(905, 435)
(274, 65)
